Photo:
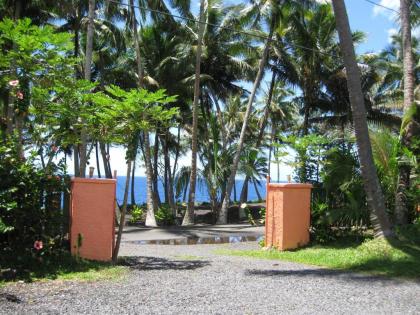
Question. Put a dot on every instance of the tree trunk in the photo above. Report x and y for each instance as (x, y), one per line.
(234, 191)
(305, 126)
(177, 152)
(373, 190)
(150, 215)
(156, 197)
(273, 133)
(226, 200)
(76, 160)
(244, 192)
(257, 191)
(88, 65)
(189, 214)
(133, 196)
(107, 166)
(123, 211)
(168, 176)
(401, 210)
(98, 168)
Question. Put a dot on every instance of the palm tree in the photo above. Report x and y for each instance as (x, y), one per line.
(272, 8)
(88, 65)
(189, 214)
(254, 166)
(374, 194)
(408, 131)
(150, 216)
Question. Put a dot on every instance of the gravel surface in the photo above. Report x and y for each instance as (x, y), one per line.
(193, 280)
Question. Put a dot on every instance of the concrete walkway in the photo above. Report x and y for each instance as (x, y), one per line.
(204, 231)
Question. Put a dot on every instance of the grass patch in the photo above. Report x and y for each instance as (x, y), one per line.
(394, 258)
(65, 267)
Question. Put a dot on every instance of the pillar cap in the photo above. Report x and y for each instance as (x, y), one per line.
(291, 185)
(93, 180)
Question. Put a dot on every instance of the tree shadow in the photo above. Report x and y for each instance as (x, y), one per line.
(8, 297)
(158, 263)
(32, 268)
(347, 276)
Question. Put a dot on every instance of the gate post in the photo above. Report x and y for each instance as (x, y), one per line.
(287, 215)
(92, 218)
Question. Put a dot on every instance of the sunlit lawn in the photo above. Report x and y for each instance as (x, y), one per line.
(397, 258)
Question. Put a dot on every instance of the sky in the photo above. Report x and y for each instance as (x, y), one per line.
(376, 22)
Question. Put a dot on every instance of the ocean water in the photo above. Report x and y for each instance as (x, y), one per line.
(200, 196)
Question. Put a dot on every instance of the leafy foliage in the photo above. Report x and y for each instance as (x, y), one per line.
(30, 208)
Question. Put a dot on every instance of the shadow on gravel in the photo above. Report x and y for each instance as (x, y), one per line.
(321, 273)
(10, 298)
(157, 263)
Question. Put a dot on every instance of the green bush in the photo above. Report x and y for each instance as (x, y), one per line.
(137, 214)
(164, 216)
(31, 219)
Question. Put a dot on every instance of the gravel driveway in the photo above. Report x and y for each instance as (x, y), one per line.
(193, 280)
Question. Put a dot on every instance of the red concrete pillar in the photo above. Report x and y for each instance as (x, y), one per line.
(92, 218)
(287, 215)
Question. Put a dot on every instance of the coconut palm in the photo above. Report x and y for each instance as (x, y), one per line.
(189, 214)
(374, 194)
(271, 9)
(408, 133)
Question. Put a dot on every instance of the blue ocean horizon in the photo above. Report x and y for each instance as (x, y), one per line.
(200, 196)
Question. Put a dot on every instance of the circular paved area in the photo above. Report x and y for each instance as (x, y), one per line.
(192, 279)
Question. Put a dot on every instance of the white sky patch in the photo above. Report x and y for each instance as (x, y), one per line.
(392, 4)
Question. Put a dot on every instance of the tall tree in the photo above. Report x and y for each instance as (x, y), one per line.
(88, 65)
(373, 190)
(222, 219)
(407, 132)
(150, 216)
(189, 214)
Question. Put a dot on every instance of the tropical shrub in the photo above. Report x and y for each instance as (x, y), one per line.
(164, 216)
(31, 217)
(137, 214)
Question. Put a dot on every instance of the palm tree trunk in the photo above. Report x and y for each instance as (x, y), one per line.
(264, 120)
(150, 215)
(373, 190)
(168, 177)
(256, 190)
(401, 211)
(244, 192)
(226, 200)
(88, 64)
(189, 214)
(123, 211)
(273, 133)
